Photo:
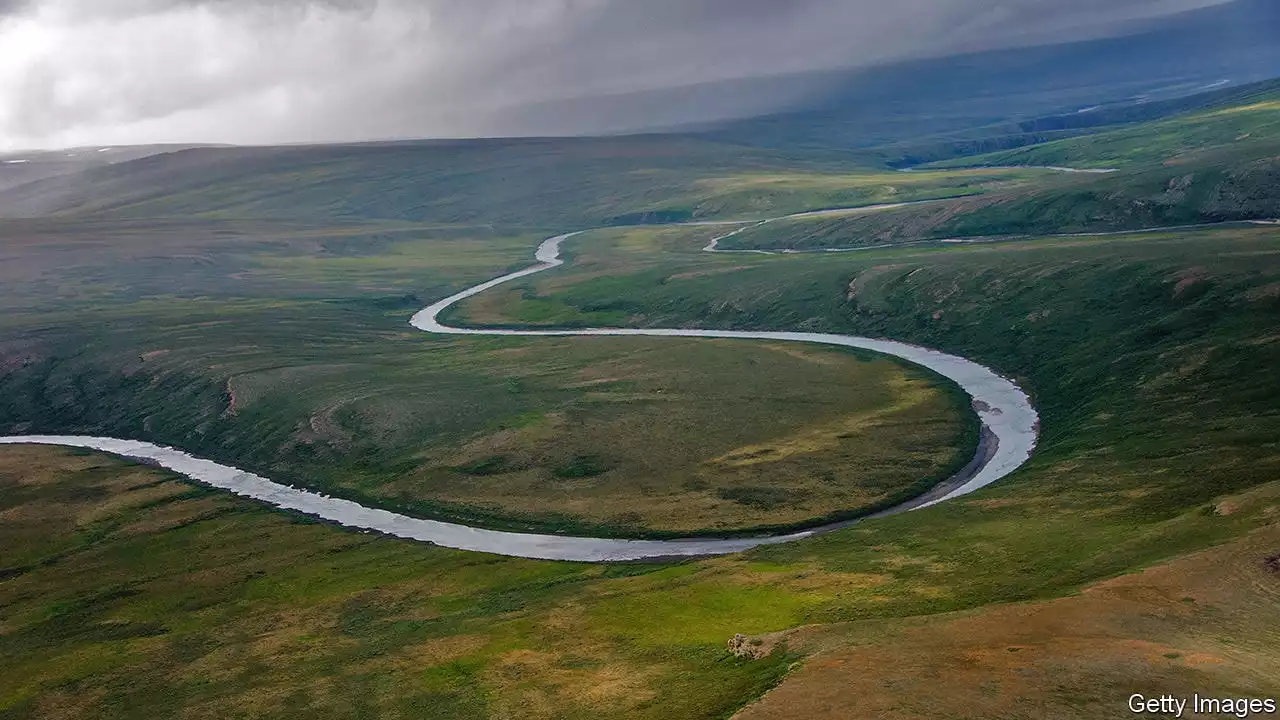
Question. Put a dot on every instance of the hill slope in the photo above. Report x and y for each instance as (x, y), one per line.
(551, 181)
(1215, 164)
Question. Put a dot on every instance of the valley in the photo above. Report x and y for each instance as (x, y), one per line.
(262, 308)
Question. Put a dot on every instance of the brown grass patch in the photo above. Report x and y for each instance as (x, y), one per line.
(66, 704)
(120, 503)
(907, 394)
(539, 684)
(173, 515)
(278, 639)
(817, 357)
(416, 658)
(807, 577)
(1204, 621)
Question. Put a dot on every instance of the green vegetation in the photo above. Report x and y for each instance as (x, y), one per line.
(1142, 354)
(283, 347)
(566, 183)
(1246, 121)
(250, 349)
(1202, 621)
(128, 594)
(966, 116)
(1211, 165)
(1158, 440)
(1213, 187)
(764, 195)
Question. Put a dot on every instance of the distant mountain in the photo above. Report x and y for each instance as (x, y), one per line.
(1230, 44)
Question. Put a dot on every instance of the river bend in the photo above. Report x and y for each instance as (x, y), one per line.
(1009, 430)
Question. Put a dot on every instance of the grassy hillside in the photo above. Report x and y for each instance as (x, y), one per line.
(1158, 439)
(1201, 621)
(128, 594)
(1221, 186)
(999, 143)
(565, 183)
(1205, 165)
(1239, 119)
(250, 305)
(569, 183)
(1214, 165)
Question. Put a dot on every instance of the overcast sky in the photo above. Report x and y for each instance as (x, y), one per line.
(109, 72)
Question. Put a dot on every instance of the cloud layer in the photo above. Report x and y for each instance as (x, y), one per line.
(80, 72)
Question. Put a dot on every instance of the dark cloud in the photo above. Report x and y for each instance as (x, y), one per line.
(124, 71)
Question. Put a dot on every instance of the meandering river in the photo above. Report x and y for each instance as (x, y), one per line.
(1009, 430)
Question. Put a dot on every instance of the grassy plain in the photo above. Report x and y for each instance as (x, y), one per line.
(287, 351)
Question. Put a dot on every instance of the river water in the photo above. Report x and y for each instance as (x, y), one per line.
(1009, 430)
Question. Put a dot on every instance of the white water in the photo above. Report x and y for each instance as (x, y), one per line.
(1008, 419)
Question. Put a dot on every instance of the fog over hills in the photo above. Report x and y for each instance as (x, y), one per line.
(1175, 55)
(978, 101)
(80, 73)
